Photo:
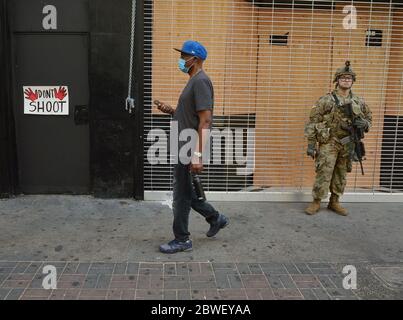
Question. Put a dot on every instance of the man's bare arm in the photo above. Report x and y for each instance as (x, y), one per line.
(205, 119)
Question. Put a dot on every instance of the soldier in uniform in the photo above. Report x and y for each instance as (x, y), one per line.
(328, 132)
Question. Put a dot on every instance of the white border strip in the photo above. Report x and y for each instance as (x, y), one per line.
(279, 196)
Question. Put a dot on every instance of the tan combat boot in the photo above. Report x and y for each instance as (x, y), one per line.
(335, 206)
(313, 207)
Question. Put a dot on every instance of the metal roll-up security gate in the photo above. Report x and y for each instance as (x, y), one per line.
(270, 61)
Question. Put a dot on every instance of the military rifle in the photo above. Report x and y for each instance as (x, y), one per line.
(356, 134)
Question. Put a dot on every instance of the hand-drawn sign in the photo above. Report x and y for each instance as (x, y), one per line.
(49, 100)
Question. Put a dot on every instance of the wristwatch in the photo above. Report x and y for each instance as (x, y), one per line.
(198, 154)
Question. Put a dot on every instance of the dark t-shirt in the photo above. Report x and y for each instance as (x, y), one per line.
(197, 95)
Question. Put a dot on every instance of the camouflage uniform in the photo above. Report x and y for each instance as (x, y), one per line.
(328, 125)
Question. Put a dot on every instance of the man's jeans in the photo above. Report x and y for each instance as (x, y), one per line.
(184, 198)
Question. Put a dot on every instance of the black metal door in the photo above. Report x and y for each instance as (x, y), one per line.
(52, 144)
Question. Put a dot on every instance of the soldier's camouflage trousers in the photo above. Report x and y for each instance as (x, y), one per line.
(331, 166)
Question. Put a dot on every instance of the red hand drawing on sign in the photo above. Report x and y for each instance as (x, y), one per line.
(30, 94)
(61, 93)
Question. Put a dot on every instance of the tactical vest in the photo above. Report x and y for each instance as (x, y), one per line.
(339, 119)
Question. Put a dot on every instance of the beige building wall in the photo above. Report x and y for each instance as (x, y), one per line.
(175, 22)
(394, 94)
(281, 83)
(290, 79)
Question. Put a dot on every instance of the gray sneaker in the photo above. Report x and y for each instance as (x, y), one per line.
(215, 226)
(176, 246)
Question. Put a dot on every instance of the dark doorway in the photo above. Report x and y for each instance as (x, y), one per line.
(53, 150)
(50, 62)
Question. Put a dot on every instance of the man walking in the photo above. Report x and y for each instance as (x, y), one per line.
(194, 112)
(329, 139)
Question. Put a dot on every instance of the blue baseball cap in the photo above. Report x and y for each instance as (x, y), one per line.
(193, 48)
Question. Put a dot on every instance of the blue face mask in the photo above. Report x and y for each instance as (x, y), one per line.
(182, 65)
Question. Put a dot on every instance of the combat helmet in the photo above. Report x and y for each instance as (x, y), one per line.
(344, 70)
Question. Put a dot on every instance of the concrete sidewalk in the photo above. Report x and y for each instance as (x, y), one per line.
(109, 249)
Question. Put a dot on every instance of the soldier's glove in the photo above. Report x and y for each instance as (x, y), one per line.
(311, 150)
(361, 123)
